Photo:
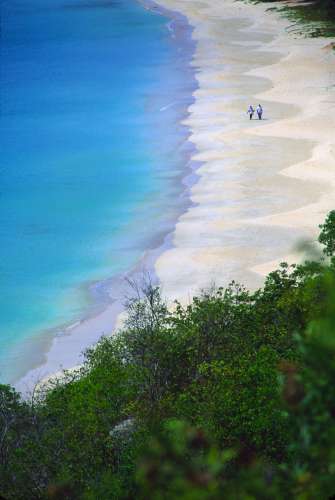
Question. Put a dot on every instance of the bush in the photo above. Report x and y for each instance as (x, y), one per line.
(232, 396)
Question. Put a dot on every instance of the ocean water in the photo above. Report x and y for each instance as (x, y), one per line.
(92, 150)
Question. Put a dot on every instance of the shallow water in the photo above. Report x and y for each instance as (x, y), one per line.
(92, 92)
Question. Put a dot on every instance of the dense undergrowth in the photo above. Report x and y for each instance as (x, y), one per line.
(312, 18)
(230, 397)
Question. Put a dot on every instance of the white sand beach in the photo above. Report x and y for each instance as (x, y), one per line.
(264, 186)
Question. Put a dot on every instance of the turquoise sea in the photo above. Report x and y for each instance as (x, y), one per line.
(92, 153)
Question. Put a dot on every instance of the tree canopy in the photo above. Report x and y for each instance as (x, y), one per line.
(231, 396)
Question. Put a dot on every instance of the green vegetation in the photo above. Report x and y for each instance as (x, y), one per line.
(310, 18)
(230, 397)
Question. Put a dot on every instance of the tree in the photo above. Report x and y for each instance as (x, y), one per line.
(327, 234)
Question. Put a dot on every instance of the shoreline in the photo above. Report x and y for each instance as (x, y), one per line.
(263, 186)
(63, 346)
(258, 189)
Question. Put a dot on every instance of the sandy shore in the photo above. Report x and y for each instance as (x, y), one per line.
(263, 186)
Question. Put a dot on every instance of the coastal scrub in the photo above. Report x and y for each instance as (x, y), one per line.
(231, 396)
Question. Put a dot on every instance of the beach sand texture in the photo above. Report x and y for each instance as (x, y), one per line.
(263, 186)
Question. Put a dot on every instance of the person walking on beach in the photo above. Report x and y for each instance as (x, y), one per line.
(250, 112)
(259, 110)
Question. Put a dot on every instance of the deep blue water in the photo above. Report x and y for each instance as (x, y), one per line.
(91, 96)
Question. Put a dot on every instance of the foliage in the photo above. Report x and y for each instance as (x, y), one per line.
(314, 18)
(327, 234)
(230, 396)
